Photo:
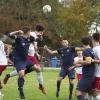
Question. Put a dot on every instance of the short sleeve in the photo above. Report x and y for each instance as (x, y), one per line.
(72, 48)
(59, 50)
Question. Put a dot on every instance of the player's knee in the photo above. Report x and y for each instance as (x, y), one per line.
(95, 93)
(21, 74)
(60, 79)
(71, 81)
(78, 93)
(37, 68)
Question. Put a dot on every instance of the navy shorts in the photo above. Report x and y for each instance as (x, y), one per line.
(22, 65)
(64, 72)
(85, 84)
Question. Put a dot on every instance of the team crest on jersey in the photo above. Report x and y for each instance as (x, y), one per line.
(28, 39)
(67, 50)
(23, 44)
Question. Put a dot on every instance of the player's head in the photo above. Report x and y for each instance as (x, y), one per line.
(65, 42)
(39, 29)
(79, 53)
(96, 37)
(26, 30)
(86, 41)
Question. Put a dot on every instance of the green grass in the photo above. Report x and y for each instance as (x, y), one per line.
(31, 87)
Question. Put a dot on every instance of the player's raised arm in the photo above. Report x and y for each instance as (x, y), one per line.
(14, 34)
(50, 51)
(96, 61)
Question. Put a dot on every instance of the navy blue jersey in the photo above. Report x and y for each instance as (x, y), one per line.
(21, 48)
(67, 56)
(88, 70)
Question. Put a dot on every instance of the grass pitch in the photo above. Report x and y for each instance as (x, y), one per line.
(31, 90)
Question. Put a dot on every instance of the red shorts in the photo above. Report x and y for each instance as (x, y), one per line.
(96, 85)
(79, 76)
(2, 68)
(34, 60)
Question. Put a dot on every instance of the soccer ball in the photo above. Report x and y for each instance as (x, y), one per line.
(46, 8)
(61, 1)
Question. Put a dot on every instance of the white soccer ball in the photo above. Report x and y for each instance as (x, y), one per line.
(46, 8)
(61, 1)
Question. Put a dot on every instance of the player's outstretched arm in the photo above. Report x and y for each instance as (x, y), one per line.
(50, 51)
(96, 61)
(14, 34)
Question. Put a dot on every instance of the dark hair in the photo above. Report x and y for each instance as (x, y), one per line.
(86, 41)
(26, 29)
(64, 38)
(96, 37)
(39, 28)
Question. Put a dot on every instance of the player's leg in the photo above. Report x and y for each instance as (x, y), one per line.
(15, 73)
(62, 74)
(79, 95)
(96, 88)
(2, 68)
(71, 76)
(21, 83)
(84, 85)
(11, 74)
(85, 95)
(39, 73)
(40, 80)
(79, 88)
(20, 67)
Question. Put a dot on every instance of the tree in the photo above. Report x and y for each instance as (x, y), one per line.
(73, 19)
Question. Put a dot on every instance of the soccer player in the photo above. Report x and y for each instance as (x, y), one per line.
(22, 44)
(3, 61)
(31, 55)
(67, 55)
(88, 68)
(96, 49)
(34, 54)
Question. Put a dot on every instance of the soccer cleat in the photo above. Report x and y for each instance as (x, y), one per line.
(21, 94)
(70, 97)
(42, 90)
(57, 94)
(6, 78)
